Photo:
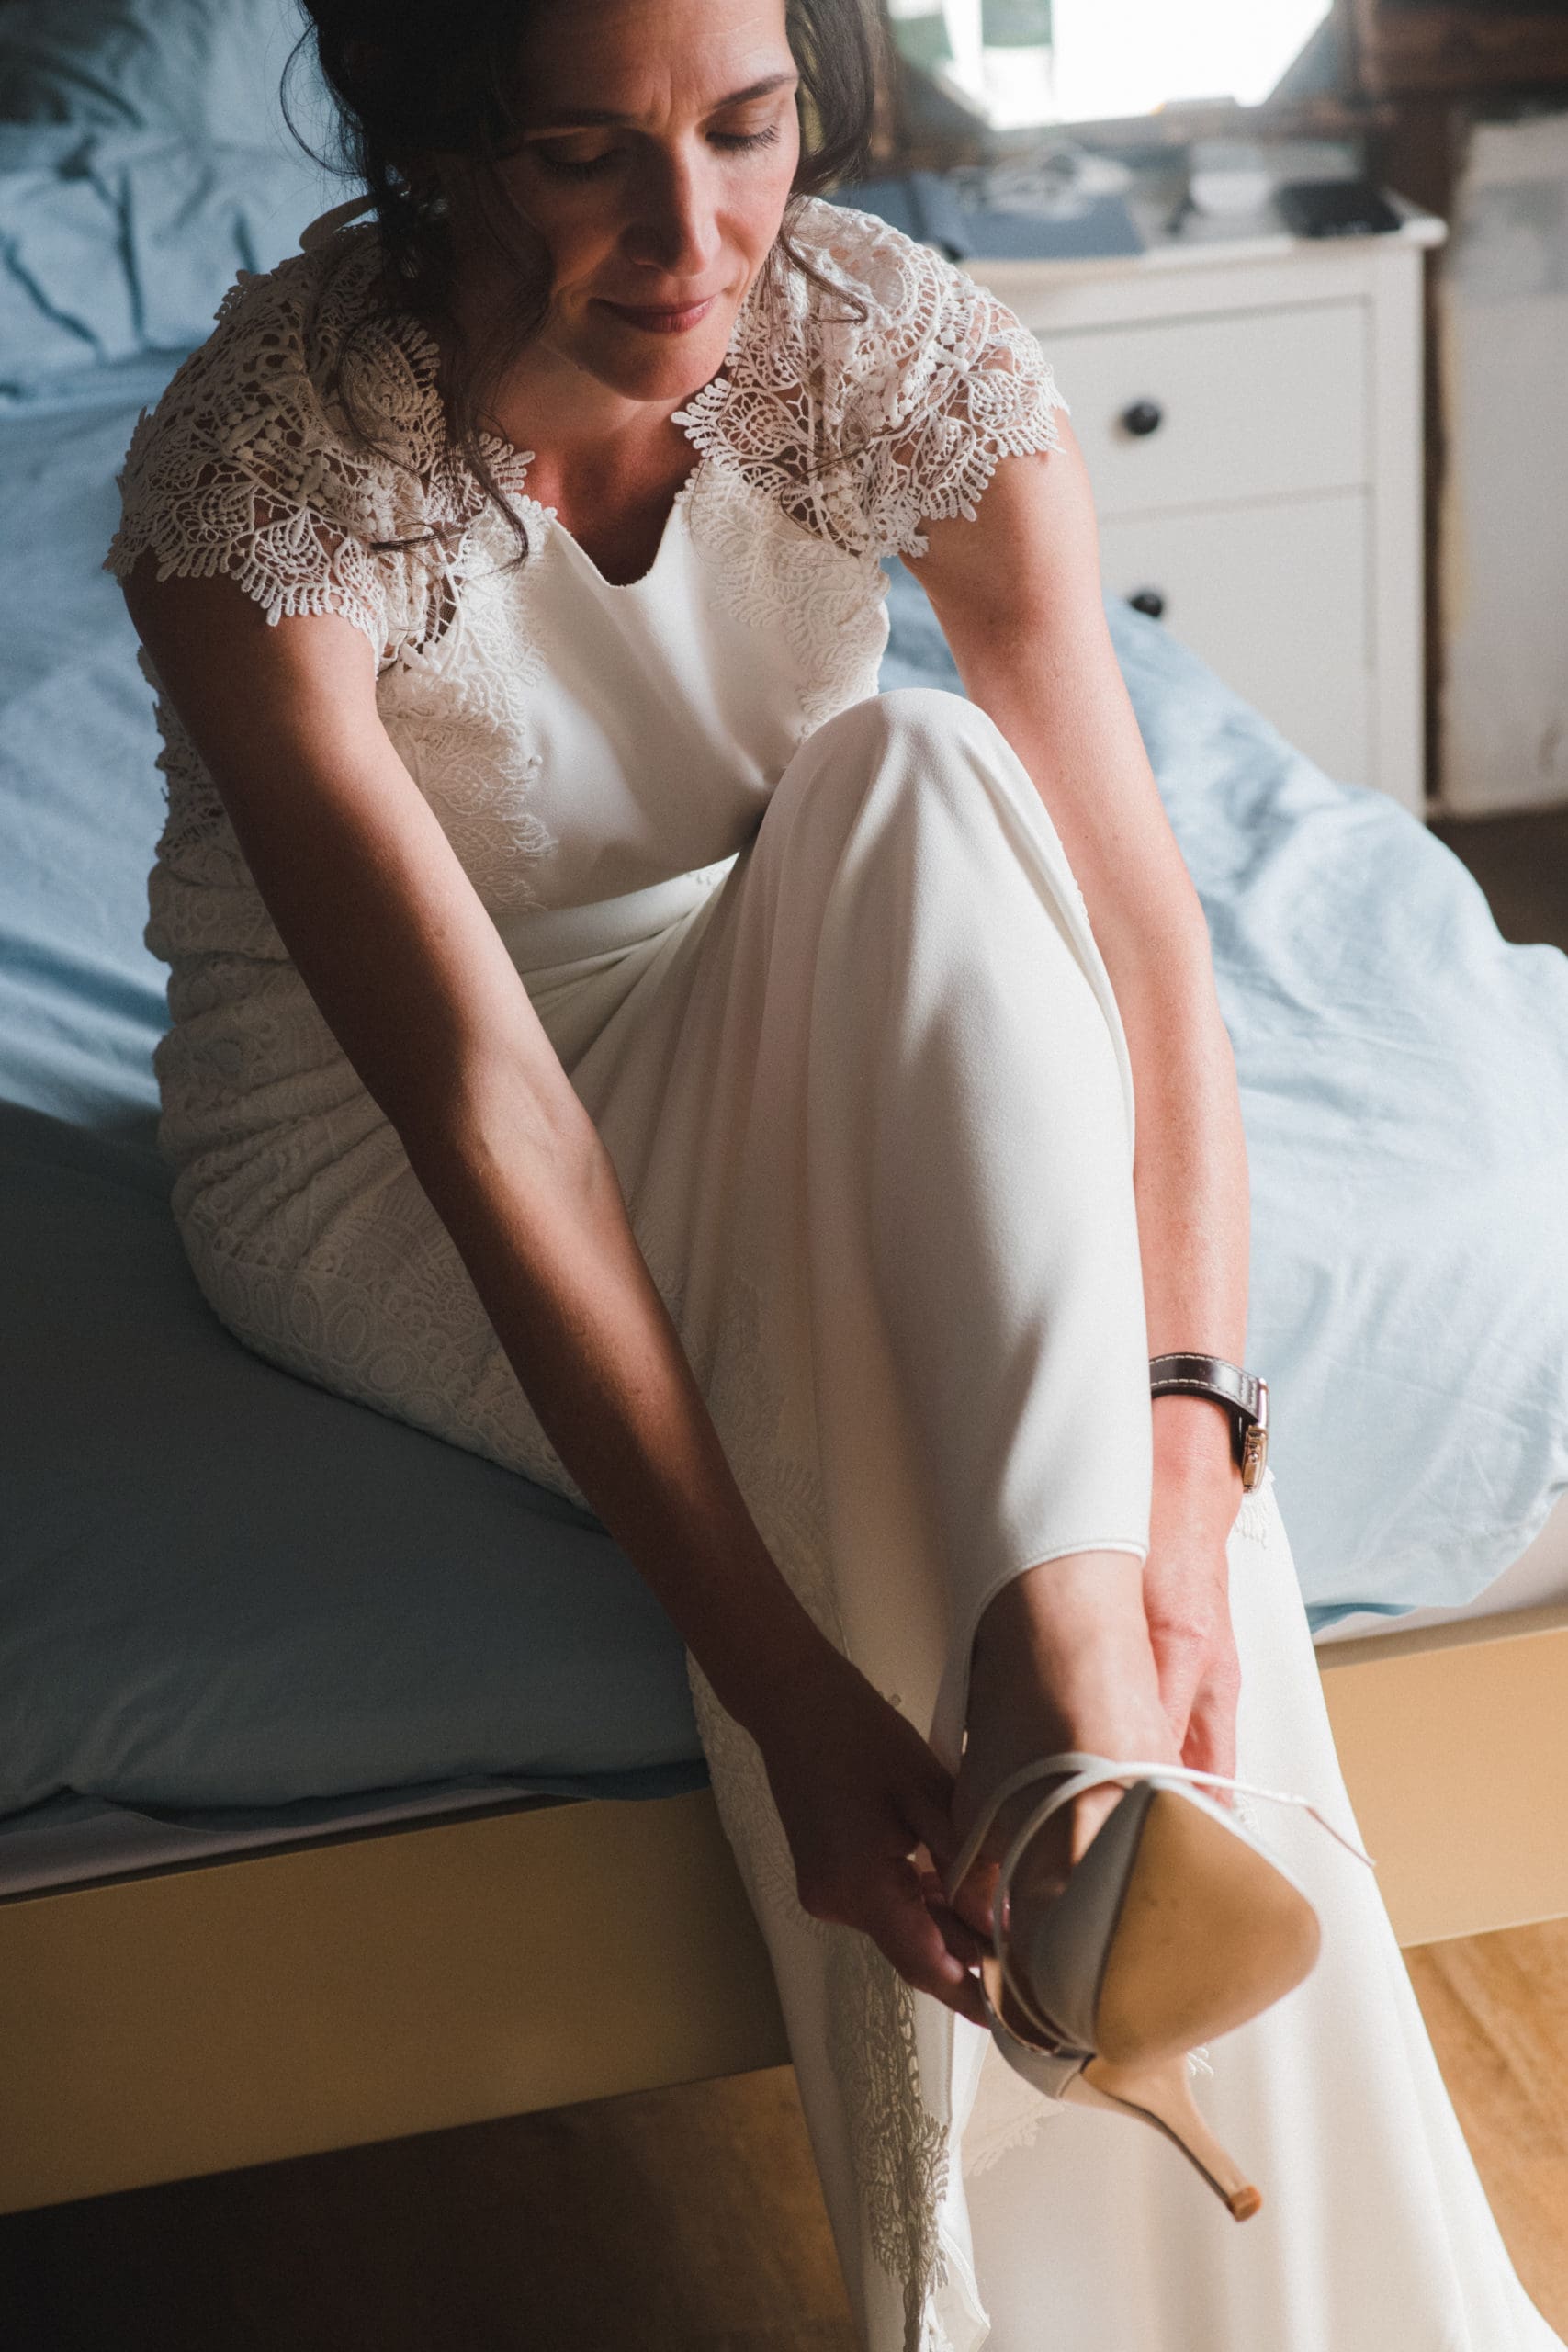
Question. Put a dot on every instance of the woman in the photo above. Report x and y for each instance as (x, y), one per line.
(607, 1034)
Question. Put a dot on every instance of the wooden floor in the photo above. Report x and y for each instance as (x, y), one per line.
(1496, 2008)
(690, 2221)
(680, 2221)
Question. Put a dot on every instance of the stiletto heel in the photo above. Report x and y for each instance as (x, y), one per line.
(1174, 1925)
(1160, 2094)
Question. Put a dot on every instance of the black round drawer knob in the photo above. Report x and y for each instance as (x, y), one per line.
(1148, 600)
(1142, 418)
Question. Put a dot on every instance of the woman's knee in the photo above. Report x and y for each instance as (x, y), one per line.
(923, 724)
(912, 741)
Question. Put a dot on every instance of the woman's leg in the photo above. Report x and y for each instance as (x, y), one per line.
(943, 1056)
(871, 1117)
(894, 1156)
(1062, 1660)
(1007, 1161)
(921, 1313)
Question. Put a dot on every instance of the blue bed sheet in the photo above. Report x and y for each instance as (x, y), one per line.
(79, 795)
(221, 1587)
(194, 1621)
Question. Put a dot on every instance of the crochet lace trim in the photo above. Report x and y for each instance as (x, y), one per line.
(250, 466)
(860, 428)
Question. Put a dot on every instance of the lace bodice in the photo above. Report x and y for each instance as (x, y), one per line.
(578, 739)
(247, 466)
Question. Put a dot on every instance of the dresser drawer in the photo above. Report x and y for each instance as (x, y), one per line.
(1274, 598)
(1264, 403)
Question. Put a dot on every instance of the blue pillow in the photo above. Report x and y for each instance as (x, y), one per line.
(127, 242)
(221, 1587)
(144, 160)
(203, 69)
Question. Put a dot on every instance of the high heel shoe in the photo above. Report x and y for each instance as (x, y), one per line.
(1174, 1925)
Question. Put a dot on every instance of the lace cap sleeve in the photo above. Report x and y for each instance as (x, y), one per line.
(863, 428)
(245, 467)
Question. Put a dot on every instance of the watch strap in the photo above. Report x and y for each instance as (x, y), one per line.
(1244, 1393)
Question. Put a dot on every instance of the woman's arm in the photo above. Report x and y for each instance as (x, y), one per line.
(410, 973)
(1017, 594)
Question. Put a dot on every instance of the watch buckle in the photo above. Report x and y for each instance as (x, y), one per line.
(1254, 1454)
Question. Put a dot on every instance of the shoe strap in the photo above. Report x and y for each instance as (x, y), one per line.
(1090, 1771)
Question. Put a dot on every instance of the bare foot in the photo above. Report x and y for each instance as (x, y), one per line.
(1062, 1660)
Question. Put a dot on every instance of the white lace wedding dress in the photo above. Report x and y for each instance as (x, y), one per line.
(816, 966)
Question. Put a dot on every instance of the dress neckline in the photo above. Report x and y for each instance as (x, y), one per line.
(753, 417)
(507, 462)
(550, 520)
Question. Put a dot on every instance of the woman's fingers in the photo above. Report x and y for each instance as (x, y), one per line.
(927, 1807)
(862, 1797)
(972, 1901)
(1186, 1583)
(1210, 1744)
(905, 1930)
(1179, 1666)
(963, 1941)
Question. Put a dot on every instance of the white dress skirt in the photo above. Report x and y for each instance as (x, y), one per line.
(866, 1091)
(816, 966)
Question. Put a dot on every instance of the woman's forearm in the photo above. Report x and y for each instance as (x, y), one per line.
(543, 1230)
(1017, 594)
(1192, 1187)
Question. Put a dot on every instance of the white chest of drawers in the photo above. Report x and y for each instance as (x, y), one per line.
(1250, 412)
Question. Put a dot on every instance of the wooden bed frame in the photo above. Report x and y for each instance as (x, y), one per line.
(365, 1987)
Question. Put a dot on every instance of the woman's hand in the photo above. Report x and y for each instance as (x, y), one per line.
(859, 1791)
(1186, 1603)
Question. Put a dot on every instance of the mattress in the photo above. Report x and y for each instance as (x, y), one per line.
(73, 1841)
(76, 1841)
(1537, 1579)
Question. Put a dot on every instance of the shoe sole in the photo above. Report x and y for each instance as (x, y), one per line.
(1209, 1934)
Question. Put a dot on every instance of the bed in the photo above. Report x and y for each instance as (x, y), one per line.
(310, 1832)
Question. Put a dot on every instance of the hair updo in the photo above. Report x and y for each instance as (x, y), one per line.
(410, 81)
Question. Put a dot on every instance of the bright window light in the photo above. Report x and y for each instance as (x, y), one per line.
(1107, 58)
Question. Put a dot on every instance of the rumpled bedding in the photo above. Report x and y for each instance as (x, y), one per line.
(220, 1587)
(115, 244)
(145, 156)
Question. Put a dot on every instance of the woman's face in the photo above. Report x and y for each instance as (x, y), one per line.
(659, 141)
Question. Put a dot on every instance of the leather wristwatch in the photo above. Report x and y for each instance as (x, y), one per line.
(1244, 1393)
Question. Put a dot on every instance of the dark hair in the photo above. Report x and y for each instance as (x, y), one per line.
(402, 94)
